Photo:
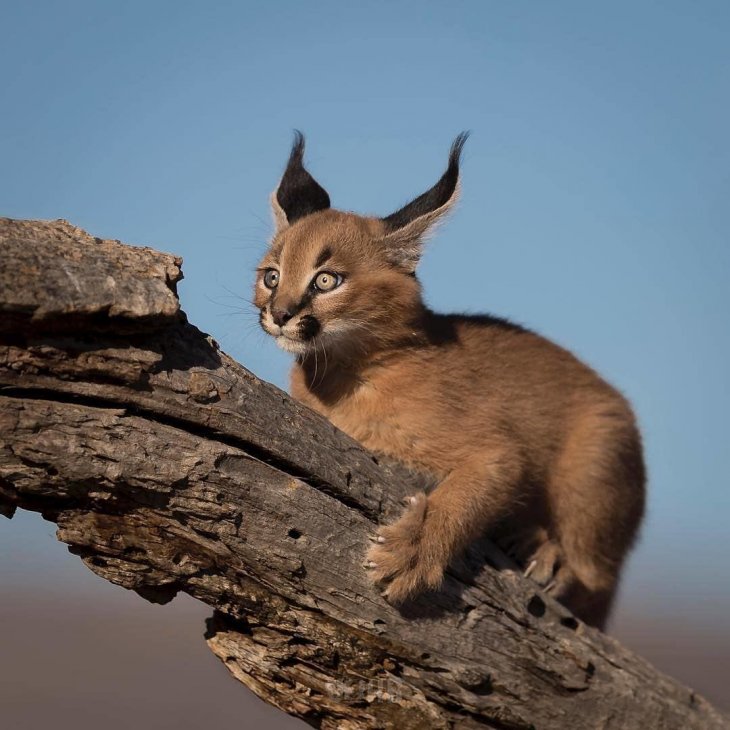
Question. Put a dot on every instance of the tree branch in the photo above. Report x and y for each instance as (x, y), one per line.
(168, 467)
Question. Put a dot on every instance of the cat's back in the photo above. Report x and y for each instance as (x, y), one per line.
(480, 370)
(488, 352)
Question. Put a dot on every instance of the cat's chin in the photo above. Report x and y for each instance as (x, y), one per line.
(298, 347)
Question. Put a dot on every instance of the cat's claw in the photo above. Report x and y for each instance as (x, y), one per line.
(407, 557)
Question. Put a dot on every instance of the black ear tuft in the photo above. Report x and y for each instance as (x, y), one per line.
(437, 196)
(299, 194)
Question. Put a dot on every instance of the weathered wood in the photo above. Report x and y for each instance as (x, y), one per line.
(168, 467)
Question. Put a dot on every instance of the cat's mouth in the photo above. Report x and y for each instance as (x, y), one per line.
(297, 337)
(298, 347)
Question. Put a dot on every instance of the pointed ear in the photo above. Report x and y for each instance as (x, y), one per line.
(298, 193)
(407, 227)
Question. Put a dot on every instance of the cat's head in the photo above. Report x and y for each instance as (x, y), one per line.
(339, 281)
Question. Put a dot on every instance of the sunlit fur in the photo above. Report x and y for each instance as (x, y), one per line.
(526, 443)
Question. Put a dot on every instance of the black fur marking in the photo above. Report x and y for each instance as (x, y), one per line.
(299, 194)
(444, 328)
(491, 320)
(323, 257)
(306, 299)
(309, 327)
(434, 198)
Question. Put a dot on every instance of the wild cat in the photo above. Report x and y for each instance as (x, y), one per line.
(524, 441)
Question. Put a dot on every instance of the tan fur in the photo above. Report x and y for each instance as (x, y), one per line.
(526, 443)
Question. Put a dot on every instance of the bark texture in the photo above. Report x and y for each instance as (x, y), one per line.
(169, 467)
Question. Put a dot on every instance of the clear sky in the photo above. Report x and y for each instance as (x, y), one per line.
(595, 187)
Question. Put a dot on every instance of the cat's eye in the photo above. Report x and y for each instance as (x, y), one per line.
(326, 281)
(271, 278)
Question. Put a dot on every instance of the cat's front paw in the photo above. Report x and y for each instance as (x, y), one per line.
(403, 556)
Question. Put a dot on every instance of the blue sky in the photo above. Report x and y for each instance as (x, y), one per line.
(595, 187)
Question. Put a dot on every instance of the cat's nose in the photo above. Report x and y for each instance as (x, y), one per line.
(281, 316)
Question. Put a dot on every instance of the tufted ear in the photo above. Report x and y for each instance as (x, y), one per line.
(407, 227)
(298, 193)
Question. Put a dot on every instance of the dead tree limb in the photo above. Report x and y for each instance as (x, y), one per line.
(168, 467)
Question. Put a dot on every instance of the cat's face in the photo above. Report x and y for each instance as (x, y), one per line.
(339, 281)
(327, 282)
